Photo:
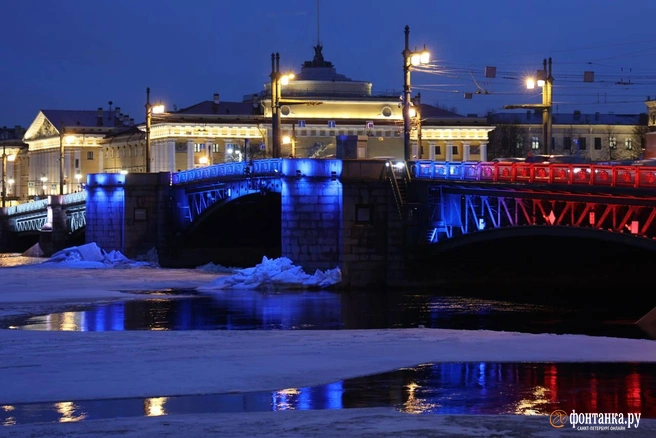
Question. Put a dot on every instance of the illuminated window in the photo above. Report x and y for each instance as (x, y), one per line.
(519, 142)
(628, 143)
(89, 155)
(612, 143)
(535, 142)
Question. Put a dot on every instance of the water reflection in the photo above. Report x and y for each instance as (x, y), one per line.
(449, 388)
(253, 310)
(241, 310)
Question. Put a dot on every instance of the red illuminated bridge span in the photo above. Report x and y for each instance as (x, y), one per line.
(539, 173)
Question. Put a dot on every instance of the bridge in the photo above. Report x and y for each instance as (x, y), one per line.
(469, 197)
(358, 213)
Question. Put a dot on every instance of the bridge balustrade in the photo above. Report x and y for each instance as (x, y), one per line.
(538, 173)
(233, 169)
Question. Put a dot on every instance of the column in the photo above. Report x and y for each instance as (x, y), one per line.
(465, 151)
(170, 157)
(483, 149)
(190, 154)
(449, 152)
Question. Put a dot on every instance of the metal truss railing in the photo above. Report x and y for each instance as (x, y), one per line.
(32, 216)
(538, 173)
(458, 211)
(223, 170)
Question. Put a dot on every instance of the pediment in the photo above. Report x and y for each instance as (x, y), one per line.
(41, 127)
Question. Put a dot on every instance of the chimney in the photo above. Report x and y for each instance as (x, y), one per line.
(117, 112)
(577, 115)
(99, 118)
(131, 122)
(126, 119)
(216, 98)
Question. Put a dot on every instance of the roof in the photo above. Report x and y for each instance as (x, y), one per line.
(576, 118)
(208, 107)
(433, 112)
(128, 131)
(82, 118)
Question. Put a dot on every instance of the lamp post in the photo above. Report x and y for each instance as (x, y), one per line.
(543, 79)
(61, 159)
(4, 174)
(410, 59)
(277, 81)
(150, 110)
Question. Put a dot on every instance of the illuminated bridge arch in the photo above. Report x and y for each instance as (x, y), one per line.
(498, 234)
(459, 210)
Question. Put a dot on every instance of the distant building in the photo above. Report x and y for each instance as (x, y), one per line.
(317, 108)
(81, 135)
(13, 154)
(597, 136)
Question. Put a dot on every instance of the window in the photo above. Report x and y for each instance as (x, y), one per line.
(215, 148)
(437, 149)
(77, 163)
(629, 144)
(519, 142)
(583, 144)
(198, 147)
(89, 155)
(597, 145)
(454, 150)
(535, 142)
(612, 142)
(567, 143)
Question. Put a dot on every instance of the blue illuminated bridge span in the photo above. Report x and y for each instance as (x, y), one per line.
(434, 201)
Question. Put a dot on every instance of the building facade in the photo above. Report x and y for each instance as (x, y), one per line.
(596, 136)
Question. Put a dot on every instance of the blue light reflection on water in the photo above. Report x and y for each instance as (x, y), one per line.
(447, 388)
(236, 310)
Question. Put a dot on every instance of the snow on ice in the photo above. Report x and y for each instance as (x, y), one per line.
(280, 273)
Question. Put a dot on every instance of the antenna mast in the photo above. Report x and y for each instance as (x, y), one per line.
(318, 39)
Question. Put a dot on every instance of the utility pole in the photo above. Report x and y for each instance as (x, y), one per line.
(4, 174)
(149, 115)
(544, 79)
(275, 105)
(407, 153)
(61, 158)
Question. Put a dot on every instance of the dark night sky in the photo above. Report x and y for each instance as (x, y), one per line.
(80, 54)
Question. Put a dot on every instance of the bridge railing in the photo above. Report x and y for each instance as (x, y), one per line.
(42, 204)
(234, 169)
(538, 173)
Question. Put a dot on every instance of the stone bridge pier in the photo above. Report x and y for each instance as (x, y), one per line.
(129, 213)
(54, 234)
(350, 221)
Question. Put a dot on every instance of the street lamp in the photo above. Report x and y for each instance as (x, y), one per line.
(277, 81)
(410, 59)
(4, 174)
(150, 110)
(543, 79)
